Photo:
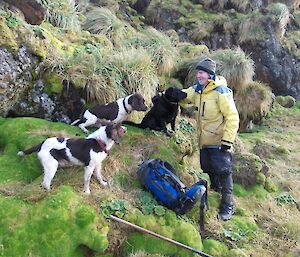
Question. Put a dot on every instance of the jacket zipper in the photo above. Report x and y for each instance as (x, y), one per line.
(199, 118)
(203, 109)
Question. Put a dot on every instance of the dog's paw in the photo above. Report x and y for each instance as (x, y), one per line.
(103, 182)
(45, 186)
(87, 192)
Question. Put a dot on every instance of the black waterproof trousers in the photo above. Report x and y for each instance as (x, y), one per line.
(218, 165)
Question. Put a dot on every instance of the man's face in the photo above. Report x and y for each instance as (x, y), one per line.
(202, 77)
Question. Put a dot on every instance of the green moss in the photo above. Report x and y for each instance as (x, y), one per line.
(215, 248)
(237, 253)
(270, 186)
(258, 191)
(286, 101)
(260, 178)
(213, 199)
(28, 168)
(7, 37)
(167, 225)
(52, 84)
(241, 212)
(245, 224)
(65, 49)
(85, 215)
(239, 190)
(48, 226)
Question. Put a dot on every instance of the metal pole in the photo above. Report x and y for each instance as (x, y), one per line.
(159, 236)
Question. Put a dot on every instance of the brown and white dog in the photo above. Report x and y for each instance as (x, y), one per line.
(114, 112)
(89, 152)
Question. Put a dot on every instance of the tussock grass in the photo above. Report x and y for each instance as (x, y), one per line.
(282, 17)
(292, 43)
(241, 5)
(201, 31)
(235, 66)
(251, 29)
(104, 21)
(106, 77)
(62, 13)
(253, 102)
(159, 46)
(134, 70)
(215, 4)
(87, 69)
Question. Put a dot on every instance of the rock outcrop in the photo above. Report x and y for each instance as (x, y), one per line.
(15, 77)
(33, 12)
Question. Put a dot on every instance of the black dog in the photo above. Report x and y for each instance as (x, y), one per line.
(163, 112)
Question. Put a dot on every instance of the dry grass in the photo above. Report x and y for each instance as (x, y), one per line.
(104, 21)
(215, 4)
(251, 29)
(253, 102)
(292, 42)
(241, 5)
(201, 32)
(159, 46)
(188, 51)
(50, 133)
(134, 70)
(235, 66)
(62, 14)
(281, 15)
(281, 222)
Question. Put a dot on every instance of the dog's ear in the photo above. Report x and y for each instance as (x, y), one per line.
(137, 102)
(117, 132)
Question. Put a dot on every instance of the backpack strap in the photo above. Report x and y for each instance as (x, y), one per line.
(203, 203)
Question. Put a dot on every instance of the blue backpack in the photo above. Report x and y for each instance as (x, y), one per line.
(158, 177)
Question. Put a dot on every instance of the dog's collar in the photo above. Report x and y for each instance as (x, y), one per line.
(102, 145)
(124, 105)
(167, 100)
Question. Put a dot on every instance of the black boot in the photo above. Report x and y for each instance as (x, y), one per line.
(226, 207)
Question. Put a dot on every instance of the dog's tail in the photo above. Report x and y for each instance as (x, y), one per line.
(78, 121)
(131, 123)
(30, 150)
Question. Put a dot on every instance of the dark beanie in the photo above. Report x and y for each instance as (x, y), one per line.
(207, 65)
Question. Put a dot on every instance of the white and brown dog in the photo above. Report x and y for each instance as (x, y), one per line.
(89, 152)
(115, 112)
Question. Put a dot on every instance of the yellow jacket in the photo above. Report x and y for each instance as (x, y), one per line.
(217, 117)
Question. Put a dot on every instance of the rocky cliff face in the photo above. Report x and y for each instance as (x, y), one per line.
(274, 65)
(22, 90)
(15, 76)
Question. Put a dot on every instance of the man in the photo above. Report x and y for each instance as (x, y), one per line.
(217, 122)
